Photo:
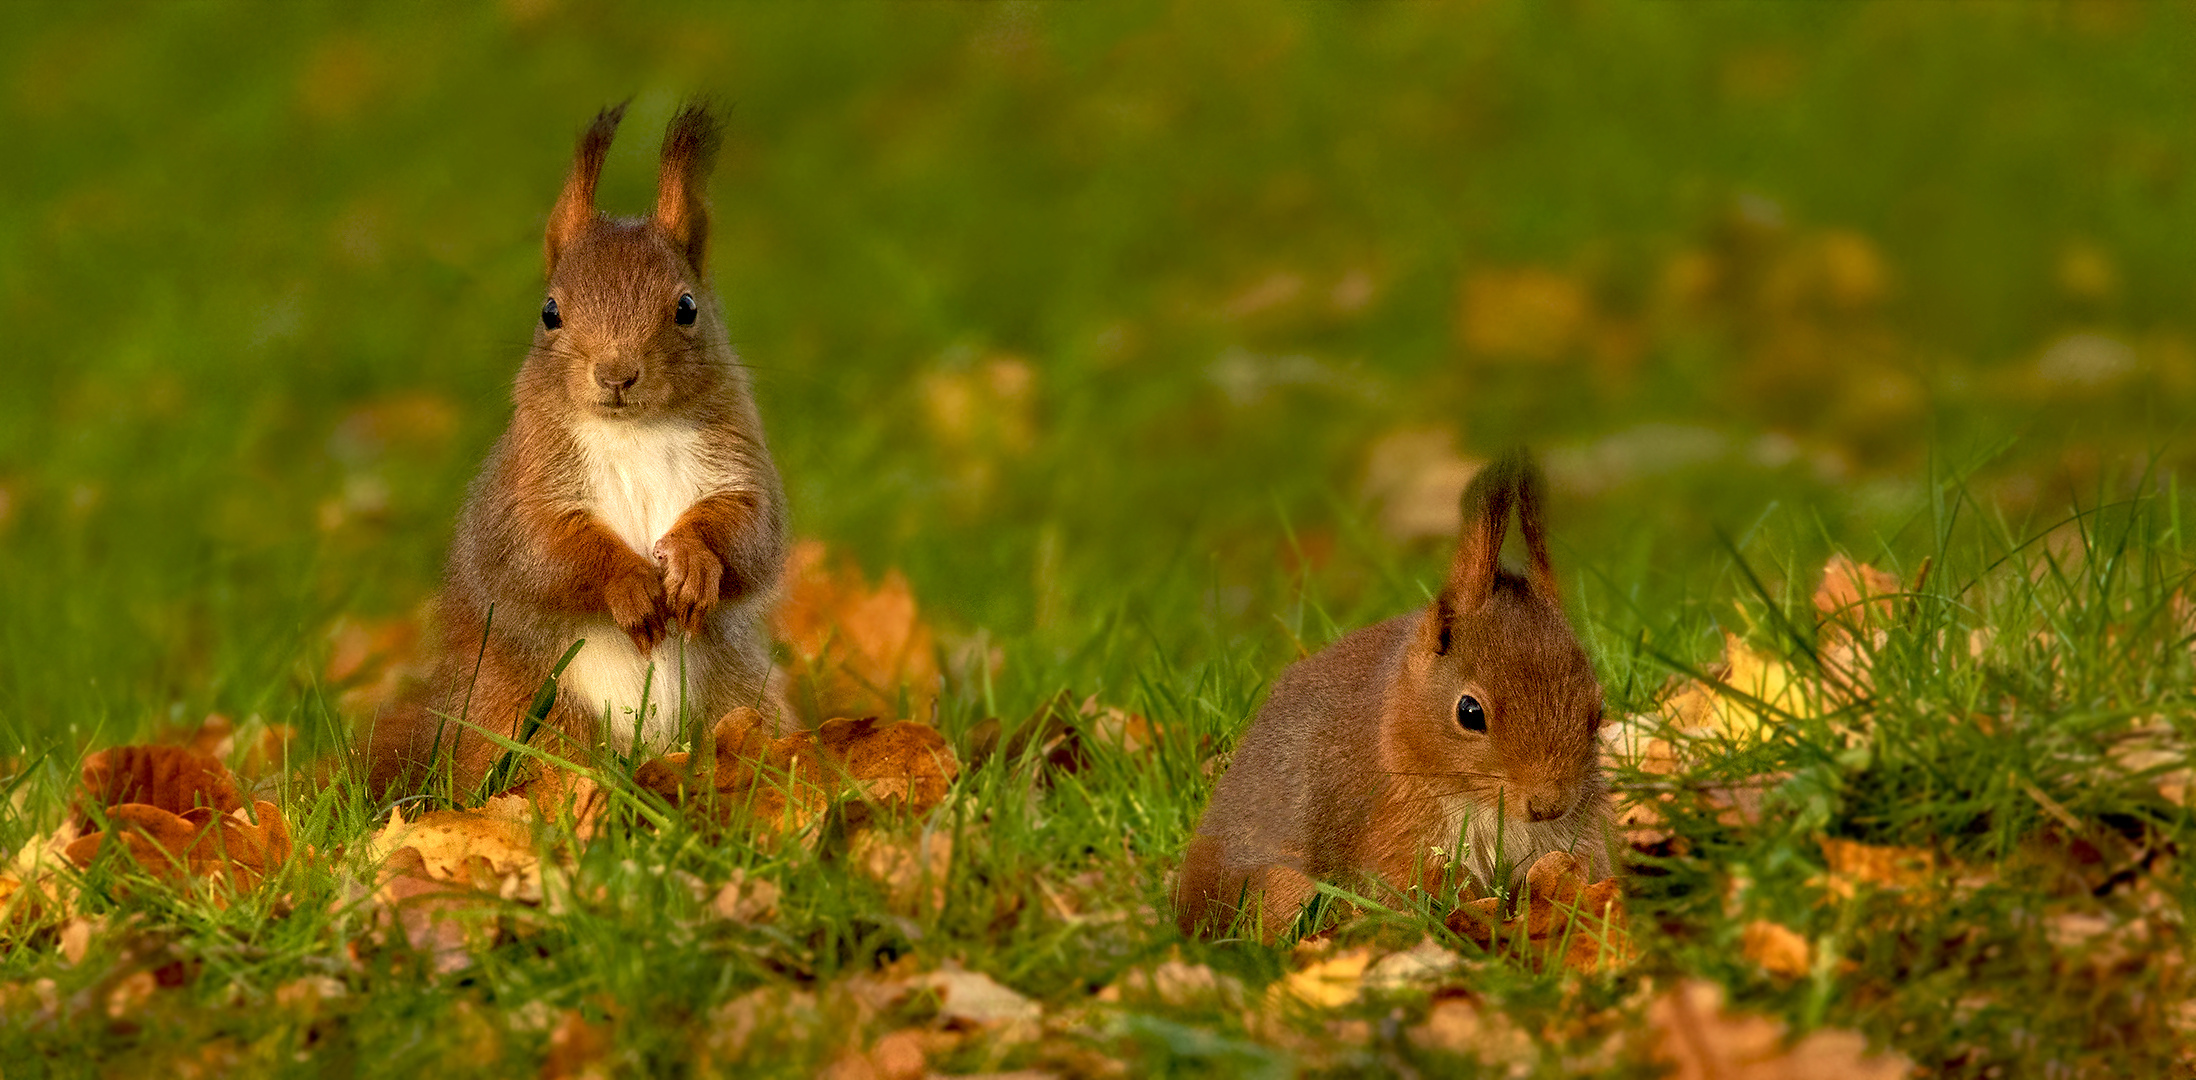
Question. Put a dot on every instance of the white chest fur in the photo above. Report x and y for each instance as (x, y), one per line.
(639, 479)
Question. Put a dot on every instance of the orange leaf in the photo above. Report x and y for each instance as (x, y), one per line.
(171, 778)
(787, 783)
(854, 648)
(197, 843)
(1566, 920)
(1694, 1032)
(1777, 948)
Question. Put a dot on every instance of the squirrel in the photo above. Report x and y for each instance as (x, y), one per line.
(632, 501)
(1453, 738)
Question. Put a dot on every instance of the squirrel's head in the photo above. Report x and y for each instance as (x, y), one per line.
(1496, 702)
(629, 327)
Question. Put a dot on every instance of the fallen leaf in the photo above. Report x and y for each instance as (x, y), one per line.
(1694, 1032)
(1458, 1026)
(974, 999)
(854, 649)
(1425, 964)
(912, 869)
(1852, 864)
(576, 1049)
(76, 938)
(2155, 752)
(199, 843)
(1566, 919)
(1778, 949)
(305, 993)
(899, 1055)
(786, 784)
(490, 849)
(1176, 985)
(441, 919)
(746, 899)
(1328, 983)
(171, 778)
(1855, 593)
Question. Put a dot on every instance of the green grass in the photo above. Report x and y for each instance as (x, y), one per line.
(266, 274)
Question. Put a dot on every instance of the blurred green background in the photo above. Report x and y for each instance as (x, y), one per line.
(1122, 329)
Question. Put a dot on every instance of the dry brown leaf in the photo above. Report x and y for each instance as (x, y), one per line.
(973, 999)
(1176, 985)
(198, 843)
(1777, 948)
(76, 938)
(785, 784)
(1327, 983)
(912, 869)
(171, 778)
(1852, 864)
(490, 849)
(899, 1055)
(1457, 1026)
(441, 919)
(854, 648)
(576, 1049)
(1425, 964)
(1855, 593)
(1694, 1032)
(1566, 919)
(2155, 751)
(747, 900)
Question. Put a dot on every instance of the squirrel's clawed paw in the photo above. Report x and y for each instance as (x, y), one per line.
(636, 603)
(693, 580)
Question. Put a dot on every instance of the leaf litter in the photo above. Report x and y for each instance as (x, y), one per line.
(445, 881)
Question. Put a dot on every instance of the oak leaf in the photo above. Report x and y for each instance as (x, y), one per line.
(912, 869)
(787, 783)
(854, 648)
(1777, 948)
(1566, 920)
(176, 813)
(1694, 1032)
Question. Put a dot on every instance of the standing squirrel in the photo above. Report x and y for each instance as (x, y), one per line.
(1462, 736)
(631, 502)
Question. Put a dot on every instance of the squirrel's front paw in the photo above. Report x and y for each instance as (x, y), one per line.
(637, 605)
(693, 578)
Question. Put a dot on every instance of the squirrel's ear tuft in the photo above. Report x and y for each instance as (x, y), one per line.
(1529, 521)
(1511, 481)
(575, 208)
(682, 188)
(1478, 561)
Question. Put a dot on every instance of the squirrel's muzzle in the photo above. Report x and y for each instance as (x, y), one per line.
(617, 376)
(1548, 804)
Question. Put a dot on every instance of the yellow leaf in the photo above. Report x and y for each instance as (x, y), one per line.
(1329, 983)
(1777, 948)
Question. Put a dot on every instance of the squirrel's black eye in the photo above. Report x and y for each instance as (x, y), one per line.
(687, 310)
(549, 316)
(1470, 715)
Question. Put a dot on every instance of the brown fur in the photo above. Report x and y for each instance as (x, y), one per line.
(1357, 771)
(617, 375)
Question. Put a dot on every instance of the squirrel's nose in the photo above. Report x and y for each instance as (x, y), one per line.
(617, 375)
(1547, 805)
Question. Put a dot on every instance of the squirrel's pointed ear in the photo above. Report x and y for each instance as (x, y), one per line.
(575, 208)
(1529, 521)
(1478, 562)
(682, 188)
